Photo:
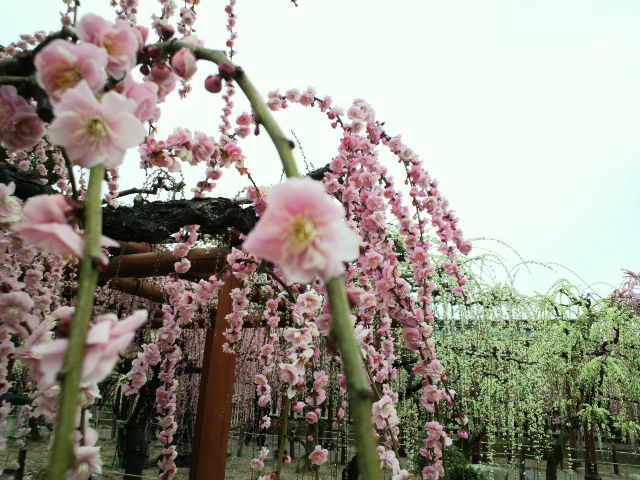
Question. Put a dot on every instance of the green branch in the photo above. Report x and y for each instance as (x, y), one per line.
(359, 388)
(62, 456)
(283, 145)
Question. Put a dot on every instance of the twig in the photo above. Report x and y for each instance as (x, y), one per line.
(72, 178)
(16, 79)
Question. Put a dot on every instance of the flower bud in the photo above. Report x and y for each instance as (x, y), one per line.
(213, 83)
(160, 72)
(167, 31)
(152, 51)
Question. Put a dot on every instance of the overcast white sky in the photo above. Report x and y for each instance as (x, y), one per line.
(527, 112)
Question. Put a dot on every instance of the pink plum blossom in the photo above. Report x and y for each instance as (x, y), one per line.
(105, 340)
(27, 130)
(61, 65)
(46, 224)
(10, 104)
(288, 374)
(203, 148)
(141, 33)
(93, 132)
(182, 266)
(303, 230)
(119, 39)
(20, 127)
(153, 153)
(319, 455)
(14, 310)
(145, 95)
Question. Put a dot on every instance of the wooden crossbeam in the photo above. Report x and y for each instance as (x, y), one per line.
(204, 262)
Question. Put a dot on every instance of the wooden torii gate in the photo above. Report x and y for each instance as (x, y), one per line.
(213, 420)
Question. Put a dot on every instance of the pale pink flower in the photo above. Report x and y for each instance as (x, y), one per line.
(46, 225)
(87, 462)
(184, 63)
(434, 429)
(10, 104)
(256, 464)
(384, 411)
(321, 379)
(182, 266)
(311, 417)
(145, 95)
(288, 374)
(20, 127)
(93, 132)
(319, 455)
(118, 39)
(413, 338)
(61, 65)
(203, 147)
(27, 129)
(266, 350)
(304, 231)
(141, 33)
(153, 153)
(10, 206)
(430, 473)
(14, 310)
(105, 340)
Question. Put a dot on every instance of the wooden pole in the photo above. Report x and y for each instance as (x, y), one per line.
(209, 451)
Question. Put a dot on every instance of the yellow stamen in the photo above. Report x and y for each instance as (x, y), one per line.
(96, 128)
(68, 78)
(302, 233)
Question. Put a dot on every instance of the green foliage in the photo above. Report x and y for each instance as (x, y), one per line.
(527, 367)
(457, 466)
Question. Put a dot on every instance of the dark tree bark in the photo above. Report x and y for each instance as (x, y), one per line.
(153, 222)
(554, 456)
(135, 445)
(28, 184)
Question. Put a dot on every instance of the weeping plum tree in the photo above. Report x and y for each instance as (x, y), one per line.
(321, 253)
(533, 372)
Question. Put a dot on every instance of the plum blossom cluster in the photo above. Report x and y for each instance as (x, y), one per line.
(33, 331)
(181, 250)
(258, 463)
(371, 201)
(181, 146)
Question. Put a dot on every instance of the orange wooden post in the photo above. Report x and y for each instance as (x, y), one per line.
(209, 451)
